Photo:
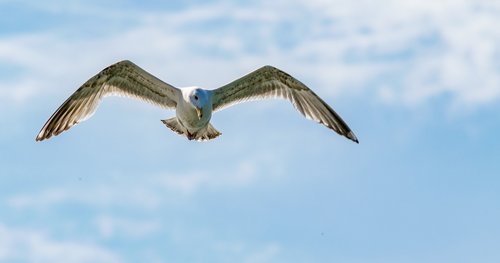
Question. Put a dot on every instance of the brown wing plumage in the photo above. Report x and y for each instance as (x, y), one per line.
(121, 79)
(270, 82)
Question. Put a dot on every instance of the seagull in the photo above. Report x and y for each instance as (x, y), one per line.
(193, 105)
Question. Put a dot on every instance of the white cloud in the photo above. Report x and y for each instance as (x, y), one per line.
(155, 190)
(114, 194)
(100, 196)
(407, 52)
(430, 48)
(266, 254)
(111, 226)
(21, 245)
(248, 254)
(244, 173)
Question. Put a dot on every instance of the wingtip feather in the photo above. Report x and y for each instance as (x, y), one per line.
(352, 137)
(40, 137)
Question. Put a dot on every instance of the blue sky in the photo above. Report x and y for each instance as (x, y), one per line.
(417, 81)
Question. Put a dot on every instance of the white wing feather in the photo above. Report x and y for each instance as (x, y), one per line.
(270, 82)
(120, 79)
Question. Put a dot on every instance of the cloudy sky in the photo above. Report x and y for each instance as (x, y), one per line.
(417, 81)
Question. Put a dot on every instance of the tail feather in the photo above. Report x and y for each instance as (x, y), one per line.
(174, 125)
(204, 134)
(211, 132)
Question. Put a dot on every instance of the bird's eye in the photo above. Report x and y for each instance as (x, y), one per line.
(195, 97)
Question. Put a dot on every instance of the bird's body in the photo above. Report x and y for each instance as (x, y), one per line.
(194, 106)
(193, 120)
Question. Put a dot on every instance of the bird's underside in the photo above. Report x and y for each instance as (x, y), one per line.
(127, 79)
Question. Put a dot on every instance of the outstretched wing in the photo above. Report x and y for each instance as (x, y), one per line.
(120, 79)
(270, 82)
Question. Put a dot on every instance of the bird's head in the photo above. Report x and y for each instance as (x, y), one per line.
(199, 99)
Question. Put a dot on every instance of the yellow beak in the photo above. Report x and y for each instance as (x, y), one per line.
(199, 112)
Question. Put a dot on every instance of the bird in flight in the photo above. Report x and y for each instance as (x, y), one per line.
(193, 106)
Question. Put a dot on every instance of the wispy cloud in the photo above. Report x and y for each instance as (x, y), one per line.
(155, 190)
(405, 52)
(22, 245)
(246, 254)
(98, 197)
(241, 174)
(110, 226)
